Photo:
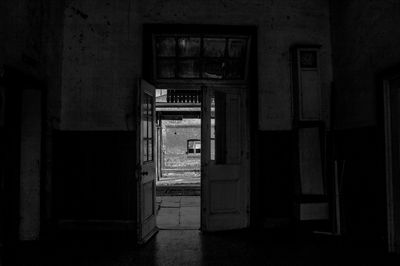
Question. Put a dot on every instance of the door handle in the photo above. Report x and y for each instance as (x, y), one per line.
(144, 173)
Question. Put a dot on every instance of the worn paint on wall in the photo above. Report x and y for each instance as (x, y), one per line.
(99, 66)
(21, 33)
(103, 53)
(366, 41)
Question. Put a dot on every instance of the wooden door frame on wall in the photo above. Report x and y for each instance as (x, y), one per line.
(251, 83)
(384, 122)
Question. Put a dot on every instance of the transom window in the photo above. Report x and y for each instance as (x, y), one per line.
(200, 57)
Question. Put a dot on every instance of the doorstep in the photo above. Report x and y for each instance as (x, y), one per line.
(178, 190)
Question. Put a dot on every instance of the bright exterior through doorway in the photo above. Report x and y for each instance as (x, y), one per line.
(178, 159)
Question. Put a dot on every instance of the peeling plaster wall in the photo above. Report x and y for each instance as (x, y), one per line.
(366, 41)
(103, 53)
(21, 34)
(99, 66)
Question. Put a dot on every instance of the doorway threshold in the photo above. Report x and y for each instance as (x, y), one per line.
(178, 190)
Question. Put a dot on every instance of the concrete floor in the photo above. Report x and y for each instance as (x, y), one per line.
(176, 178)
(178, 212)
(180, 246)
(191, 247)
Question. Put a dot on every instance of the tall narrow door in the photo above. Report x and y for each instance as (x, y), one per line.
(225, 159)
(146, 170)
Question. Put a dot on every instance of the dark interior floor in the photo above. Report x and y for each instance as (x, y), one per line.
(191, 247)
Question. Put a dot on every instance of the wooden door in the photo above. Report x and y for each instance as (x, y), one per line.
(225, 159)
(146, 170)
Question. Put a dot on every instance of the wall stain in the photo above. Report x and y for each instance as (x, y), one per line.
(80, 13)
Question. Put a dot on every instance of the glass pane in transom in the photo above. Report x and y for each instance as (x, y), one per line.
(166, 68)
(165, 46)
(189, 47)
(237, 48)
(214, 47)
(188, 68)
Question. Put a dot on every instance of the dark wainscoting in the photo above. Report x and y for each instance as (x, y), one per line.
(94, 175)
(274, 185)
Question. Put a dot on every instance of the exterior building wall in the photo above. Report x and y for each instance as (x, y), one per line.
(175, 137)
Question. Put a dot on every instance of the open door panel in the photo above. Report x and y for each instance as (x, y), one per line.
(225, 159)
(146, 170)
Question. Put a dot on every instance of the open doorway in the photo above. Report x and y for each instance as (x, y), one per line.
(178, 148)
(203, 74)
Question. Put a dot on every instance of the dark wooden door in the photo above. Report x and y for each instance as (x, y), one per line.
(225, 180)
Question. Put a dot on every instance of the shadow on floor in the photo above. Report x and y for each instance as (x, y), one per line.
(191, 247)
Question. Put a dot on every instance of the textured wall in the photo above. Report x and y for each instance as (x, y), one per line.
(103, 52)
(20, 33)
(176, 134)
(366, 41)
(100, 63)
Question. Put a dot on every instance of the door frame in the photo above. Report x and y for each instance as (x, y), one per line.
(385, 110)
(252, 117)
(255, 172)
